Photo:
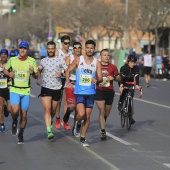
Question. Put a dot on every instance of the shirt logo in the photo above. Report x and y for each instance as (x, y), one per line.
(82, 64)
(86, 70)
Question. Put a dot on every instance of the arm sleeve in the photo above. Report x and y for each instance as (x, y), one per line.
(137, 75)
(121, 74)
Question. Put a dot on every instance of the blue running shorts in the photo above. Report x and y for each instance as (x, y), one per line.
(23, 100)
(87, 100)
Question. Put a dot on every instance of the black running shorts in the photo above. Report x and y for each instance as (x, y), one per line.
(55, 94)
(103, 95)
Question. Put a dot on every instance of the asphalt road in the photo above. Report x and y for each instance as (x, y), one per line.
(144, 147)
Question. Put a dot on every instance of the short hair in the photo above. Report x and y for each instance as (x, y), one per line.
(103, 50)
(51, 43)
(77, 43)
(90, 42)
(65, 37)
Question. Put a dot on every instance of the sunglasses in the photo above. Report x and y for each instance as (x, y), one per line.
(77, 47)
(66, 43)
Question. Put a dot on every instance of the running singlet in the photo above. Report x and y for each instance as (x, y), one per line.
(107, 70)
(49, 68)
(63, 55)
(3, 79)
(20, 83)
(147, 58)
(84, 74)
(73, 73)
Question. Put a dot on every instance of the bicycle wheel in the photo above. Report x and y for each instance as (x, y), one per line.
(123, 117)
(129, 116)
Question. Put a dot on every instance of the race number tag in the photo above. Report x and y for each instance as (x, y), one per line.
(3, 83)
(85, 80)
(21, 76)
(106, 82)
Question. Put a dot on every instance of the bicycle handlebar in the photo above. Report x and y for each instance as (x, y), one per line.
(141, 91)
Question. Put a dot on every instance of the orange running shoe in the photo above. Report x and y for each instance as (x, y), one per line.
(57, 123)
(66, 125)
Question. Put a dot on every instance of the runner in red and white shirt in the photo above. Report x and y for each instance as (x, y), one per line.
(69, 92)
(105, 90)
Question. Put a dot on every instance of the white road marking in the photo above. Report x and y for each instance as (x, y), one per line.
(111, 165)
(32, 95)
(113, 137)
(167, 165)
(146, 101)
(118, 139)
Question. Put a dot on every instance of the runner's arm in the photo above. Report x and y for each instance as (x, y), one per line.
(99, 72)
(71, 67)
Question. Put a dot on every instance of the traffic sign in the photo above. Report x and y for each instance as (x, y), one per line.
(78, 38)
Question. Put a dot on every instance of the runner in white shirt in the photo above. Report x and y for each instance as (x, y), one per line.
(147, 67)
(63, 53)
(51, 84)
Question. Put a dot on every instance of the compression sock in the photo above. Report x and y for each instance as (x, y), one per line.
(67, 115)
(105, 118)
(21, 131)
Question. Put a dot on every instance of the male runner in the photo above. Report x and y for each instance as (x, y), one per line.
(87, 68)
(22, 67)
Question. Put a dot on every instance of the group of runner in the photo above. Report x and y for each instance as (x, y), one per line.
(83, 78)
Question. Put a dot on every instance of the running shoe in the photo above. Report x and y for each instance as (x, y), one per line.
(84, 143)
(50, 135)
(66, 125)
(14, 129)
(103, 136)
(2, 128)
(20, 139)
(57, 123)
(77, 129)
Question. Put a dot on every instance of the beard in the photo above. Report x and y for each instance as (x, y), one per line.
(51, 54)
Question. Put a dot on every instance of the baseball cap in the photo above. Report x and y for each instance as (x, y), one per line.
(4, 51)
(24, 44)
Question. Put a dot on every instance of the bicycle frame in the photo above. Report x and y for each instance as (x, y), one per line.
(127, 111)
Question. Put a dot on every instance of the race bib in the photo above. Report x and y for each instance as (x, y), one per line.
(85, 80)
(106, 82)
(21, 76)
(3, 83)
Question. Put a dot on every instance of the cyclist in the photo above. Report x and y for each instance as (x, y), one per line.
(129, 74)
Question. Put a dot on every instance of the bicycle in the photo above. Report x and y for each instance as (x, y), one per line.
(127, 107)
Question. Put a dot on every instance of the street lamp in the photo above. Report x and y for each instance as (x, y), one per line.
(125, 26)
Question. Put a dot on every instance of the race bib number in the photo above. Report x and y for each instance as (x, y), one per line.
(3, 83)
(106, 82)
(21, 76)
(85, 80)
